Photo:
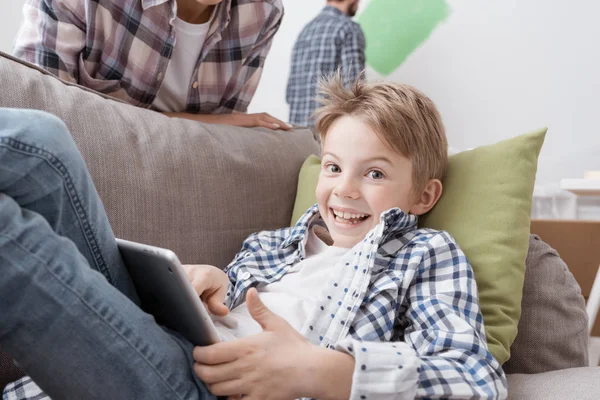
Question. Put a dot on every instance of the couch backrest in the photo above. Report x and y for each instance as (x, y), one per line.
(195, 188)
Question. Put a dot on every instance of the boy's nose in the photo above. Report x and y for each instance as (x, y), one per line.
(346, 188)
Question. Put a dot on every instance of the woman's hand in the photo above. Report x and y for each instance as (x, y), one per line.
(263, 119)
(237, 119)
(211, 285)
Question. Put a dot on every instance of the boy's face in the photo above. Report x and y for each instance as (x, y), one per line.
(360, 177)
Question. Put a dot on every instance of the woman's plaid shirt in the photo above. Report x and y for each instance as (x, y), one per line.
(123, 47)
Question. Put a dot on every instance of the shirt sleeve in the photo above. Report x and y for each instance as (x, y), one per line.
(353, 55)
(255, 254)
(24, 389)
(444, 352)
(52, 36)
(248, 76)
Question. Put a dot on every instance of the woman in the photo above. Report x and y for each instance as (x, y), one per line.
(195, 59)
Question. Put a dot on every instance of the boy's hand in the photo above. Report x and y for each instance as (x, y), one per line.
(211, 285)
(269, 365)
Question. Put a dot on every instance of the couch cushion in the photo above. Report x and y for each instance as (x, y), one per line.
(553, 330)
(574, 383)
(486, 208)
(197, 189)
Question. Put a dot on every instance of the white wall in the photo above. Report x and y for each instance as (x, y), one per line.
(496, 68)
(10, 18)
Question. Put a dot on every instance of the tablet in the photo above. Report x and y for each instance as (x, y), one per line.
(166, 293)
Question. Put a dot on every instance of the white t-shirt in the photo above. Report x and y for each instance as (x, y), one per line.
(294, 296)
(173, 93)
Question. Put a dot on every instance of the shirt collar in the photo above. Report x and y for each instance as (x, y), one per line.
(333, 11)
(222, 11)
(393, 220)
(299, 230)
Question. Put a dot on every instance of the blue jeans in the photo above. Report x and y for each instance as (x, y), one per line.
(69, 312)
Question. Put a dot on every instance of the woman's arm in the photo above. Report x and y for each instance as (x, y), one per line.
(236, 119)
(247, 77)
(52, 36)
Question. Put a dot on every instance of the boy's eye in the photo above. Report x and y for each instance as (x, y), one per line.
(374, 174)
(333, 168)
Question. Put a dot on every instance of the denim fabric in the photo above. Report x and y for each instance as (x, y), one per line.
(77, 331)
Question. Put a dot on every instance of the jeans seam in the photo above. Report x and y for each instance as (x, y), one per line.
(91, 308)
(73, 196)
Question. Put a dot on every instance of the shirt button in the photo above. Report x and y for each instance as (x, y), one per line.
(195, 85)
(245, 275)
(159, 76)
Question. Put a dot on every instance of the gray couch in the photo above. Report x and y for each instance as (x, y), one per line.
(201, 189)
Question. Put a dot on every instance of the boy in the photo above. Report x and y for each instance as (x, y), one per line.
(400, 301)
(354, 301)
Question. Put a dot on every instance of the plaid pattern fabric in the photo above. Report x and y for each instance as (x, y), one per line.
(404, 305)
(330, 41)
(123, 47)
(24, 388)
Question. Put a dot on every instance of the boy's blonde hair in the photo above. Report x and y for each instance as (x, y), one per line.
(401, 115)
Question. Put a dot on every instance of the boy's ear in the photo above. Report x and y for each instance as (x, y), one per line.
(428, 198)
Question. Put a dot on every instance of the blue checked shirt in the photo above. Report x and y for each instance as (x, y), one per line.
(404, 306)
(330, 41)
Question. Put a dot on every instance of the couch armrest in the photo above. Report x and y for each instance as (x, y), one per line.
(572, 383)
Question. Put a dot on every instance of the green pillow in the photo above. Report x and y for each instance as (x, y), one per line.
(486, 206)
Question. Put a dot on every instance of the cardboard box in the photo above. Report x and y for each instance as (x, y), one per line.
(578, 243)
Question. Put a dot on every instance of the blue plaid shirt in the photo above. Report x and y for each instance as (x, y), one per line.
(330, 41)
(405, 306)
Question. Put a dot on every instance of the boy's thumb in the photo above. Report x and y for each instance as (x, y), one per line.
(261, 314)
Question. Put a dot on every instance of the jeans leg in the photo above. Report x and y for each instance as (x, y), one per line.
(77, 335)
(42, 170)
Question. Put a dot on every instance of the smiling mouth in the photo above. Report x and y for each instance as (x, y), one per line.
(348, 218)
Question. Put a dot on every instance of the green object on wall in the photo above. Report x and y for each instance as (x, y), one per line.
(395, 28)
